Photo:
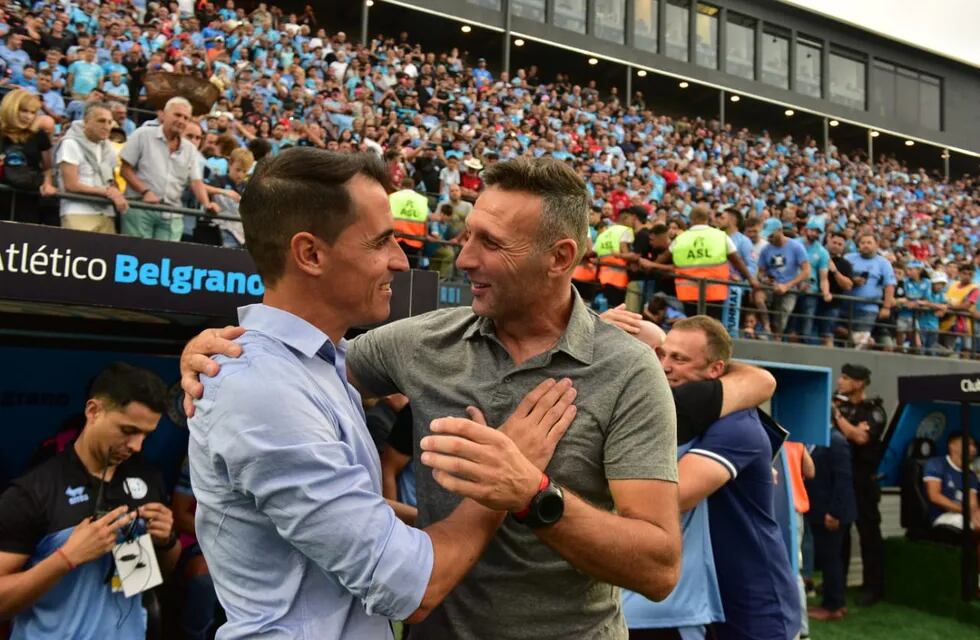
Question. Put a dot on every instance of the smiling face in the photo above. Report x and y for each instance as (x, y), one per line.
(499, 256)
(684, 357)
(367, 254)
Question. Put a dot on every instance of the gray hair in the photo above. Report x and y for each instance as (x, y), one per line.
(565, 199)
(177, 100)
(90, 107)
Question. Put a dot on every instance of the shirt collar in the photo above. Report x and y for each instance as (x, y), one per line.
(290, 329)
(578, 339)
(949, 459)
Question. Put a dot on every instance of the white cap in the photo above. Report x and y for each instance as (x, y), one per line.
(939, 276)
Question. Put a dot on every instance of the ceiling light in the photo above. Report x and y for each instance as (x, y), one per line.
(642, 73)
(466, 28)
(834, 123)
(519, 42)
(369, 3)
(875, 134)
(789, 112)
(945, 155)
(683, 85)
(909, 143)
(734, 98)
(593, 61)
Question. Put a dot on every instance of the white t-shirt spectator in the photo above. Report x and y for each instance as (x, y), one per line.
(70, 152)
(447, 178)
(338, 69)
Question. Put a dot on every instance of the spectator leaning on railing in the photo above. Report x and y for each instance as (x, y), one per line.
(157, 164)
(874, 279)
(86, 164)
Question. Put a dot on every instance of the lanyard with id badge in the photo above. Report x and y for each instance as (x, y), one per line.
(135, 568)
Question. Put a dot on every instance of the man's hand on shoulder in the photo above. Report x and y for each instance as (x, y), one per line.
(196, 360)
(634, 324)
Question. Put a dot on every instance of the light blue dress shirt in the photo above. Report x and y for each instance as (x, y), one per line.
(290, 517)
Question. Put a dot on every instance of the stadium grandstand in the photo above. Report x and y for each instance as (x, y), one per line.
(809, 184)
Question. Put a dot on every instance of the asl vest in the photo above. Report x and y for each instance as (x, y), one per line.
(410, 210)
(701, 253)
(612, 269)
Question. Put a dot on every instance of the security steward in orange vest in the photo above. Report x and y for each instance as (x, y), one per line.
(612, 249)
(704, 252)
(410, 209)
(585, 277)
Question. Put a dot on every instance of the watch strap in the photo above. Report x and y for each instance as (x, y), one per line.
(542, 485)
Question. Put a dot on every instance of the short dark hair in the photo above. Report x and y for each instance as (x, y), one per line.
(120, 384)
(301, 189)
(752, 221)
(656, 304)
(658, 229)
(260, 148)
(739, 218)
(564, 197)
(958, 435)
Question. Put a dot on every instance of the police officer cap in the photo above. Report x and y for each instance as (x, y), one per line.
(857, 372)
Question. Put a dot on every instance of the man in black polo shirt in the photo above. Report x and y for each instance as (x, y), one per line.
(59, 522)
(649, 243)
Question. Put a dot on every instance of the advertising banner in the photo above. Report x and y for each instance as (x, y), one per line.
(48, 264)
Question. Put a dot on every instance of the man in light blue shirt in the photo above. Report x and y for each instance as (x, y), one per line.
(12, 53)
(84, 75)
(783, 263)
(817, 286)
(729, 220)
(298, 539)
(874, 279)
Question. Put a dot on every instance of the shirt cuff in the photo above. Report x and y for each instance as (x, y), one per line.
(402, 573)
(719, 459)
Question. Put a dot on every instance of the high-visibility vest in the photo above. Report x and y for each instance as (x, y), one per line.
(612, 269)
(586, 271)
(410, 210)
(701, 253)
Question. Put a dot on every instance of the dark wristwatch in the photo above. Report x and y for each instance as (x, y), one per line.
(169, 544)
(546, 507)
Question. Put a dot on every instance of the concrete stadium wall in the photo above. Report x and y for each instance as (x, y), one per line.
(885, 367)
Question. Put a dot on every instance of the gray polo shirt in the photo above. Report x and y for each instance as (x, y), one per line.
(166, 173)
(625, 429)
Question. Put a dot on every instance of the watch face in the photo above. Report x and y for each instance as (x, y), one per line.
(550, 508)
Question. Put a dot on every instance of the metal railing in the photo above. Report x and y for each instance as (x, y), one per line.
(744, 317)
(846, 326)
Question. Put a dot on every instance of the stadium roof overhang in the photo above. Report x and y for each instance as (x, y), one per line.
(680, 76)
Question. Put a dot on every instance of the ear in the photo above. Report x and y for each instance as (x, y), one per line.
(716, 370)
(563, 256)
(306, 253)
(93, 408)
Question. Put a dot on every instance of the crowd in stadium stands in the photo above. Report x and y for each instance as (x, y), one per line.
(438, 118)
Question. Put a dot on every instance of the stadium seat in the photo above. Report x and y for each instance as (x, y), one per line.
(915, 500)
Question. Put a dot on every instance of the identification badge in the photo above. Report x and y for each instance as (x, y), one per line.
(136, 566)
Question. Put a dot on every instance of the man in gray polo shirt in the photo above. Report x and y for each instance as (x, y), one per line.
(617, 462)
(157, 165)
